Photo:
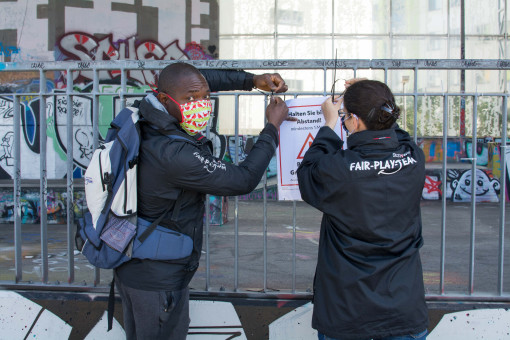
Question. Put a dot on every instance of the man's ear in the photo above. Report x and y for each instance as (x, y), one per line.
(161, 98)
(172, 108)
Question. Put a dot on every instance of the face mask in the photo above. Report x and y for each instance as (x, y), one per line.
(343, 119)
(195, 115)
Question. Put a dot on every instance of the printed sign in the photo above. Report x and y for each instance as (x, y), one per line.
(295, 140)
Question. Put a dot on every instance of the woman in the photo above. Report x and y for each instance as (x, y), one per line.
(368, 282)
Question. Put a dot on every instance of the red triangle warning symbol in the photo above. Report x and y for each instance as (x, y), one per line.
(306, 146)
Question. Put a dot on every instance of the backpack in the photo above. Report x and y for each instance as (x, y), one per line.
(110, 192)
(110, 232)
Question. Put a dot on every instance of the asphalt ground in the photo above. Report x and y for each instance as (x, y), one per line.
(279, 250)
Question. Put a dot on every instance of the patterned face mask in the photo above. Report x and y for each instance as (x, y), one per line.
(195, 115)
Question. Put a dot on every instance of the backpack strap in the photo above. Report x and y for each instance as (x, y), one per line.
(111, 304)
(153, 225)
(178, 202)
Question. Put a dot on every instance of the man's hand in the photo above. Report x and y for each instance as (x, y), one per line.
(277, 111)
(270, 82)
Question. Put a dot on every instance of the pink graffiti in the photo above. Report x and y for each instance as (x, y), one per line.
(196, 52)
(85, 47)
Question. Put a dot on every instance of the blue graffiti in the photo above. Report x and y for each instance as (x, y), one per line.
(453, 150)
(432, 150)
(482, 153)
(30, 118)
(8, 50)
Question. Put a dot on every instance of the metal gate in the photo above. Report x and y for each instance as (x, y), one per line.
(386, 68)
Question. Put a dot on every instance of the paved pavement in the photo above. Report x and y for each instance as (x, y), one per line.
(280, 250)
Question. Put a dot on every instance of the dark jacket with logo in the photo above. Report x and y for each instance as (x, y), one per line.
(168, 168)
(368, 281)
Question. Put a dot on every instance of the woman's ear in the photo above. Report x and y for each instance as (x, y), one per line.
(360, 125)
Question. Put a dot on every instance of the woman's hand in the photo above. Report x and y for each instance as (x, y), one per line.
(351, 81)
(330, 109)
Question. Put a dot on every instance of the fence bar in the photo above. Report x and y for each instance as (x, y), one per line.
(320, 93)
(502, 180)
(325, 76)
(17, 190)
(415, 96)
(70, 191)
(473, 197)
(207, 217)
(283, 64)
(207, 248)
(236, 209)
(123, 89)
(95, 129)
(43, 193)
(264, 227)
(293, 246)
(95, 108)
(443, 193)
(286, 94)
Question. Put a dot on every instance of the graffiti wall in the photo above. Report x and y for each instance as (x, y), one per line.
(459, 186)
(459, 179)
(39, 31)
(30, 209)
(107, 29)
(487, 153)
(52, 315)
(59, 30)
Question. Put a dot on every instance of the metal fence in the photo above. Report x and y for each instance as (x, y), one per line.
(326, 66)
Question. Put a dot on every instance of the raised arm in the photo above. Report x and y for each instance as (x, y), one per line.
(200, 171)
(231, 80)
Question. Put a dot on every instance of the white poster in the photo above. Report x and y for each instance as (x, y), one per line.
(295, 139)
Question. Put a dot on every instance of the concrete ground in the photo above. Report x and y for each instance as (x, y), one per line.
(280, 252)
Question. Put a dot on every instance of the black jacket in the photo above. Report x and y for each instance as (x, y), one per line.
(168, 167)
(368, 281)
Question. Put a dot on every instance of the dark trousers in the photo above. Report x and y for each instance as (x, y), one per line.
(154, 314)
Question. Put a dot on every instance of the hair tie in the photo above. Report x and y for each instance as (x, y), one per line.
(388, 107)
(393, 110)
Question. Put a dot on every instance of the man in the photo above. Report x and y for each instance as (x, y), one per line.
(174, 175)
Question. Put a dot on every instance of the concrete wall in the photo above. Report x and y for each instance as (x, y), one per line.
(54, 315)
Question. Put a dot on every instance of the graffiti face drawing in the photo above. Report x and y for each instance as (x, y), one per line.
(7, 146)
(85, 142)
(486, 189)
